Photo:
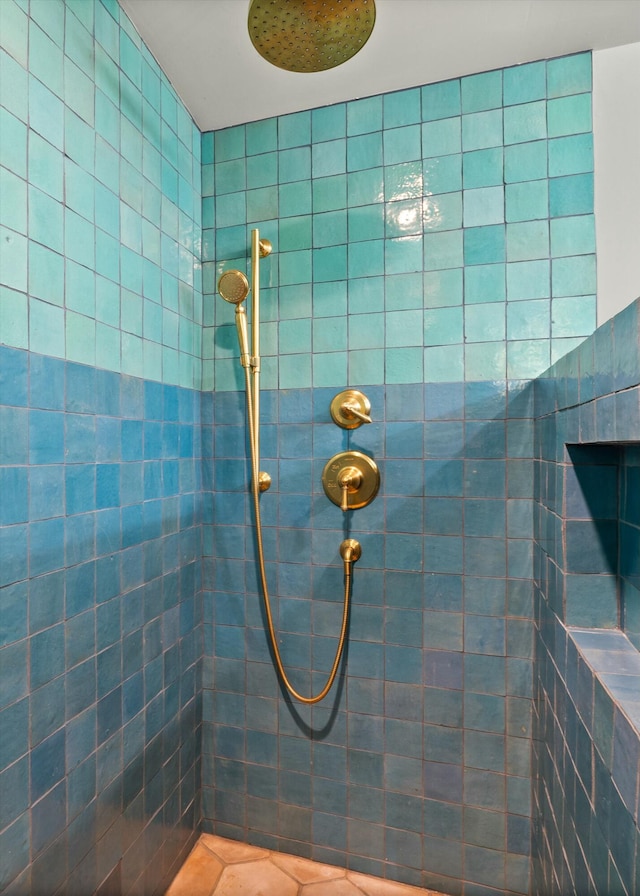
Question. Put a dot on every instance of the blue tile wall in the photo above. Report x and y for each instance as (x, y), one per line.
(100, 490)
(435, 248)
(587, 708)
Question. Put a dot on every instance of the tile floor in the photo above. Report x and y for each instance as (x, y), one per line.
(219, 867)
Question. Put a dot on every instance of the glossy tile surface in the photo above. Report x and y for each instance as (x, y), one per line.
(220, 867)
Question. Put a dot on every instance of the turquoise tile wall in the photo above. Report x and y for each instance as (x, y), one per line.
(434, 247)
(100, 491)
(101, 183)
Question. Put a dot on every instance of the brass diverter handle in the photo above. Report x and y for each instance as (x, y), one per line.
(351, 480)
(350, 409)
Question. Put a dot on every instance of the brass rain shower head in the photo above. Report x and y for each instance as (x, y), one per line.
(233, 286)
(310, 35)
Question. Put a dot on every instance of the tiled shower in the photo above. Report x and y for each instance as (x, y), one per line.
(433, 247)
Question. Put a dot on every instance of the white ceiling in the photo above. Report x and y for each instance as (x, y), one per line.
(204, 48)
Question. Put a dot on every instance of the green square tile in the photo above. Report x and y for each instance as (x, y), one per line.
(329, 122)
(483, 168)
(401, 108)
(329, 193)
(15, 28)
(404, 365)
(45, 60)
(443, 250)
(529, 320)
(440, 138)
(444, 364)
(442, 174)
(14, 318)
(573, 276)
(294, 130)
(131, 354)
(569, 115)
(79, 189)
(403, 254)
(13, 143)
(570, 155)
(443, 288)
(403, 217)
(572, 195)
(294, 164)
(404, 292)
(484, 245)
(525, 161)
(527, 201)
(525, 123)
(365, 187)
(294, 336)
(483, 206)
(46, 329)
(442, 212)
(569, 74)
(294, 371)
(484, 323)
(107, 347)
(525, 83)
(80, 289)
(482, 92)
(229, 143)
(366, 331)
(401, 182)
(329, 299)
(364, 151)
(295, 233)
(330, 228)
(330, 334)
(329, 158)
(295, 267)
(527, 240)
(481, 130)
(484, 283)
(402, 144)
(574, 235)
(366, 259)
(152, 322)
(527, 359)
(152, 361)
(262, 170)
(366, 222)
(13, 190)
(14, 83)
(485, 361)
(366, 367)
(364, 116)
(330, 263)
(441, 100)
(261, 136)
(573, 316)
(329, 369)
(528, 280)
(107, 302)
(46, 113)
(403, 328)
(13, 259)
(443, 326)
(294, 198)
(366, 295)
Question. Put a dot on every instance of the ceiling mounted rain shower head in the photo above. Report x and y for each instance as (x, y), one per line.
(233, 286)
(310, 35)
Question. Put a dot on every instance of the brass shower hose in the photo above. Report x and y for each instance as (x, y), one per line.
(255, 490)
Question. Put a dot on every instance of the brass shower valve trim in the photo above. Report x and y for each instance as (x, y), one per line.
(350, 409)
(351, 480)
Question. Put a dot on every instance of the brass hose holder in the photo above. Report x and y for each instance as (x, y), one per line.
(351, 480)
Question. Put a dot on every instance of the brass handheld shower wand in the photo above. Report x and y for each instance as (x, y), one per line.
(234, 288)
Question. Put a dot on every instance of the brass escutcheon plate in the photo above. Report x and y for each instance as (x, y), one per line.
(368, 488)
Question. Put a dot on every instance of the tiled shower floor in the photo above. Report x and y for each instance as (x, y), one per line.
(219, 867)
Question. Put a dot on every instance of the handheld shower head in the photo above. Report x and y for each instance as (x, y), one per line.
(233, 286)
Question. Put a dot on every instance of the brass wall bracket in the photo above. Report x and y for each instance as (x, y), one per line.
(350, 409)
(351, 480)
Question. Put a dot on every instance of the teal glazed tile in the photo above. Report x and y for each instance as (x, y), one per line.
(366, 222)
(364, 152)
(525, 123)
(403, 328)
(329, 193)
(262, 170)
(572, 195)
(440, 100)
(295, 233)
(569, 75)
(527, 201)
(46, 113)
(330, 263)
(525, 83)
(485, 361)
(403, 365)
(330, 369)
(484, 283)
(484, 245)
(294, 198)
(402, 144)
(45, 60)
(528, 320)
(442, 174)
(229, 143)
(364, 116)
(229, 176)
(441, 138)
(366, 366)
(481, 130)
(329, 123)
(528, 280)
(14, 201)
(482, 92)
(13, 143)
(573, 276)
(404, 292)
(366, 331)
(443, 326)
(329, 158)
(295, 371)
(483, 168)
(443, 288)
(366, 294)
(294, 130)
(46, 170)
(404, 217)
(569, 115)
(330, 228)
(442, 212)
(261, 136)
(366, 259)
(573, 315)
(483, 206)
(570, 155)
(525, 161)
(573, 235)
(484, 323)
(401, 108)
(443, 250)
(294, 164)
(365, 187)
(527, 240)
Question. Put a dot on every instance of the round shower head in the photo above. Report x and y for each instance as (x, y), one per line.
(233, 286)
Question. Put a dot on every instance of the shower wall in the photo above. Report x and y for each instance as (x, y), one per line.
(100, 538)
(435, 248)
(587, 578)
